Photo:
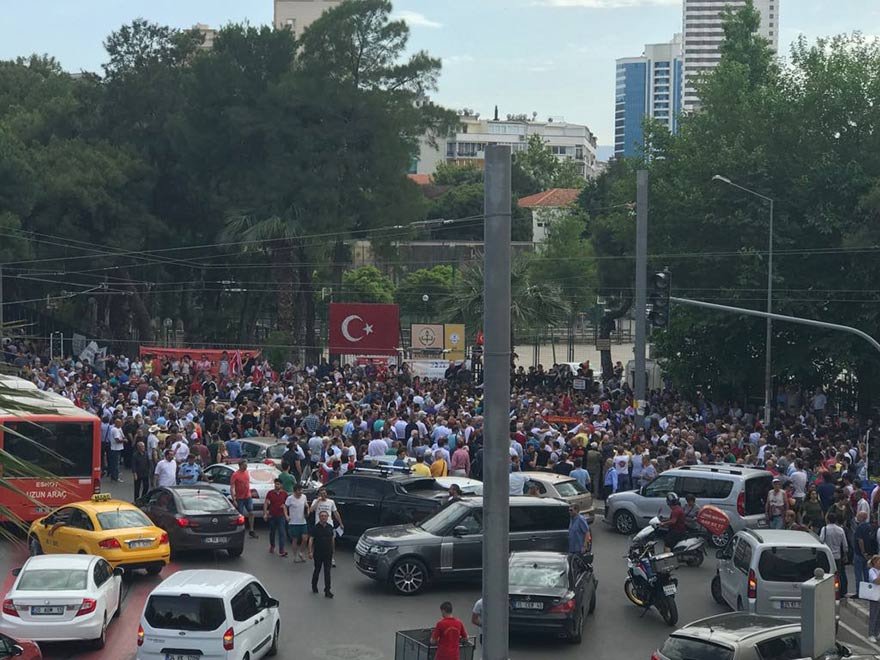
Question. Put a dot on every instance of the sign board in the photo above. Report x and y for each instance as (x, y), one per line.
(579, 384)
(428, 369)
(713, 519)
(603, 344)
(426, 337)
(453, 341)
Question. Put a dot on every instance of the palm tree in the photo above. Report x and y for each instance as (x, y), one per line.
(533, 303)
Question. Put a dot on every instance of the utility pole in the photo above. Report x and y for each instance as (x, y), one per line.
(641, 311)
(1, 311)
(496, 401)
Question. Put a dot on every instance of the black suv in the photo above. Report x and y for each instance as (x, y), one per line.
(449, 544)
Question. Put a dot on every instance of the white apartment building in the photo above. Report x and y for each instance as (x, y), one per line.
(567, 141)
(703, 35)
(297, 15)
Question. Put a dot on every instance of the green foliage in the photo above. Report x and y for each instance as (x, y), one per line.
(366, 284)
(536, 169)
(436, 283)
(450, 174)
(566, 261)
(278, 348)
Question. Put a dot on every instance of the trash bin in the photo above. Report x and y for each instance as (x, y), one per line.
(416, 645)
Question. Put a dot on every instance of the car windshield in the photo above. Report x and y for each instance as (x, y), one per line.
(538, 575)
(276, 451)
(185, 612)
(56, 579)
(263, 476)
(686, 648)
(440, 521)
(122, 519)
(791, 564)
(570, 488)
(203, 502)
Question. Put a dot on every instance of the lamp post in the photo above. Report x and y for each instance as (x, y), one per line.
(768, 379)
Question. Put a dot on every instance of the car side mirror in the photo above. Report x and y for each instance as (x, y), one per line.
(459, 530)
(16, 571)
(272, 602)
(119, 571)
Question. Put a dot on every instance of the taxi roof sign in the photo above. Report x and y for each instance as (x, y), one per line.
(102, 497)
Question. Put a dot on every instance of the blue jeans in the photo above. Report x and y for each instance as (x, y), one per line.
(277, 527)
(860, 567)
(776, 522)
(622, 482)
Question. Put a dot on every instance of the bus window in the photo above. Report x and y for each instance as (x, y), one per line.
(65, 451)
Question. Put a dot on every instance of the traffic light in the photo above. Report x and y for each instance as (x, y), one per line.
(658, 298)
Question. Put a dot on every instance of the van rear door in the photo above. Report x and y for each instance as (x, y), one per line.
(181, 626)
(754, 498)
(781, 571)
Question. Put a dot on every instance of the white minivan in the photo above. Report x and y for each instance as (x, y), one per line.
(208, 614)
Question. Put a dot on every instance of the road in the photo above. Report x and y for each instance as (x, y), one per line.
(359, 623)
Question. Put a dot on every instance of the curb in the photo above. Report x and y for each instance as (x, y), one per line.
(856, 607)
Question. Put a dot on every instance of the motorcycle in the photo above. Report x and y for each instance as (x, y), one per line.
(649, 582)
(690, 551)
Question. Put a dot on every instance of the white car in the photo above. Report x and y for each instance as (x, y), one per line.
(57, 598)
(262, 479)
(209, 614)
(468, 486)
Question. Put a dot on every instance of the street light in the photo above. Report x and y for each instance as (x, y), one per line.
(768, 380)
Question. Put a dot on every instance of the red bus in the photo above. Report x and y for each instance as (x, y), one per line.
(56, 437)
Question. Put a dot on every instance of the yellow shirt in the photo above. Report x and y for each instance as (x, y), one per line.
(420, 469)
(438, 468)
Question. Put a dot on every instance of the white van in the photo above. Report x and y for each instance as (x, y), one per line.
(209, 614)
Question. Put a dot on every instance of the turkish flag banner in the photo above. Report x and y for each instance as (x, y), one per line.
(364, 329)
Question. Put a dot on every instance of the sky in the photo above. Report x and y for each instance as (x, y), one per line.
(553, 57)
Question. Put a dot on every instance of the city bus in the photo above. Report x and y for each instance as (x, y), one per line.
(62, 441)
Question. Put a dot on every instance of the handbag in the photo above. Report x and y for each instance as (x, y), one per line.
(869, 591)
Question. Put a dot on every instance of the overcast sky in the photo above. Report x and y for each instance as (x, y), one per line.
(553, 57)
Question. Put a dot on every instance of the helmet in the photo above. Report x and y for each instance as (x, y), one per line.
(672, 498)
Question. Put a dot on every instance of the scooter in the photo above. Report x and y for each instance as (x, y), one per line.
(649, 582)
(690, 551)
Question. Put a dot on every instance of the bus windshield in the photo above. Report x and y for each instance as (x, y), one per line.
(63, 449)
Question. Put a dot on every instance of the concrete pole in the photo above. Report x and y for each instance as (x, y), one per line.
(641, 312)
(1, 312)
(768, 361)
(496, 401)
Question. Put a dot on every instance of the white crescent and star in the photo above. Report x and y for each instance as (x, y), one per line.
(368, 329)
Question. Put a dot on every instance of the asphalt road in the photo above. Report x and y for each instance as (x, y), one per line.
(359, 623)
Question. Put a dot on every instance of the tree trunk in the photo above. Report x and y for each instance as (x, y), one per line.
(606, 326)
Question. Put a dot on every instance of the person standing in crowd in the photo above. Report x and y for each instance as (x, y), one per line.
(448, 634)
(874, 609)
(140, 469)
(610, 483)
(117, 446)
(580, 539)
(321, 551)
(190, 473)
(777, 505)
(581, 475)
(275, 513)
(864, 546)
(834, 537)
(240, 492)
(297, 526)
(166, 471)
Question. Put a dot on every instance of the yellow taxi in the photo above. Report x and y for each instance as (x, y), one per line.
(115, 530)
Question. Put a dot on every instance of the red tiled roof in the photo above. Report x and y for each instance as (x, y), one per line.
(553, 198)
(421, 179)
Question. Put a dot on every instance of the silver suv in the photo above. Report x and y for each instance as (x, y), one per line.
(761, 571)
(449, 543)
(740, 492)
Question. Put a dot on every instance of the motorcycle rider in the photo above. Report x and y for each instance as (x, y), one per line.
(676, 523)
(690, 511)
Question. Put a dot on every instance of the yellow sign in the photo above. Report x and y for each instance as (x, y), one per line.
(427, 337)
(453, 341)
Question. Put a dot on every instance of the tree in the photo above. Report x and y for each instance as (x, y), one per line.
(366, 284)
(566, 260)
(436, 283)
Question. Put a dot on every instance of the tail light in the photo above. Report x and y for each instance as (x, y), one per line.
(741, 503)
(564, 607)
(96, 486)
(229, 639)
(254, 494)
(9, 607)
(183, 522)
(656, 655)
(88, 606)
(753, 584)
(109, 544)
(837, 586)
(163, 540)
(239, 520)
(140, 635)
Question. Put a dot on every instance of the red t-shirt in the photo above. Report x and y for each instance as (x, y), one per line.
(275, 500)
(447, 633)
(240, 483)
(679, 522)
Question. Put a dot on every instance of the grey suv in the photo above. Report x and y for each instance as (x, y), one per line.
(449, 544)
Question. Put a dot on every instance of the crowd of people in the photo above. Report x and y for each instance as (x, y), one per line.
(196, 412)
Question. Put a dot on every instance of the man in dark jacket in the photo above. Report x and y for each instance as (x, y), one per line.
(321, 550)
(140, 467)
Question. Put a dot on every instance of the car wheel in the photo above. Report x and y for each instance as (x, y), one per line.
(409, 577)
(273, 650)
(154, 569)
(235, 552)
(577, 630)
(716, 590)
(624, 522)
(592, 602)
(101, 641)
(34, 547)
(720, 540)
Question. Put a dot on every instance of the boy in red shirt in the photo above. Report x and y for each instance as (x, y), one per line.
(240, 490)
(275, 513)
(447, 634)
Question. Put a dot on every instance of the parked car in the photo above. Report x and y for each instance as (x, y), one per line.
(209, 614)
(761, 571)
(551, 592)
(261, 450)
(22, 649)
(740, 492)
(262, 476)
(449, 544)
(563, 488)
(59, 598)
(468, 486)
(195, 518)
(743, 636)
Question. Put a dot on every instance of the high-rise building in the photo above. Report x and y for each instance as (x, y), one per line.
(703, 35)
(647, 86)
(297, 15)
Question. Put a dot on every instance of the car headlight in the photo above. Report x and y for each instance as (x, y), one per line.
(382, 549)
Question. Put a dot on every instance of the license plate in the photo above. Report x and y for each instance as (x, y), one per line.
(528, 605)
(181, 656)
(669, 590)
(42, 609)
(143, 543)
(217, 539)
(790, 604)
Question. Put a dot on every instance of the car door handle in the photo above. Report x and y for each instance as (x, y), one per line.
(370, 504)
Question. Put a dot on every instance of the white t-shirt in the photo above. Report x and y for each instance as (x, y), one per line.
(181, 450)
(166, 473)
(377, 447)
(327, 505)
(621, 464)
(117, 439)
(478, 609)
(296, 509)
(517, 482)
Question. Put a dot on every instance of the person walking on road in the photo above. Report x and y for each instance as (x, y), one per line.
(140, 468)
(834, 537)
(874, 612)
(323, 503)
(240, 491)
(297, 528)
(274, 513)
(448, 634)
(321, 551)
(166, 471)
(580, 539)
(864, 547)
